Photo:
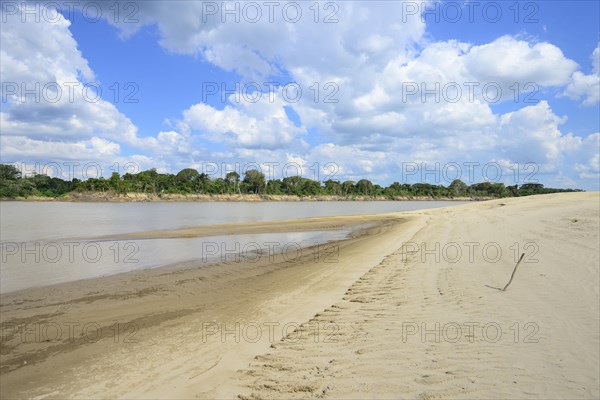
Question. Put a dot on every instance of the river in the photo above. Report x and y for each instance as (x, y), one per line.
(44, 243)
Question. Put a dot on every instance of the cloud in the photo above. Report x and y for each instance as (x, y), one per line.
(23, 149)
(586, 87)
(344, 36)
(376, 92)
(588, 166)
(263, 124)
(40, 52)
(50, 109)
(42, 58)
(532, 134)
(507, 60)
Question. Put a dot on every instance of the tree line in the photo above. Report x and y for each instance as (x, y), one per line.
(190, 181)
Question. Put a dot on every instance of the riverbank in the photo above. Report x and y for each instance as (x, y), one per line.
(344, 320)
(174, 197)
(121, 328)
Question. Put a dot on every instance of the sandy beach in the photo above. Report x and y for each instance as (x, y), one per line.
(407, 307)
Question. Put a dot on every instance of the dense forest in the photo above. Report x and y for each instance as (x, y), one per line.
(190, 181)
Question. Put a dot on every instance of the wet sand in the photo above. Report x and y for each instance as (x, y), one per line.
(148, 333)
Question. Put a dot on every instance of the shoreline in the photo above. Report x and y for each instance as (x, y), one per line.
(111, 197)
(355, 224)
(195, 328)
(175, 298)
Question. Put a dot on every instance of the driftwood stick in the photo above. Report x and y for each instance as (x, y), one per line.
(514, 271)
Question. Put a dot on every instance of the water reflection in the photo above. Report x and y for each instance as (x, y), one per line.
(37, 263)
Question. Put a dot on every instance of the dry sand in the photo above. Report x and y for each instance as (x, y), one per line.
(387, 316)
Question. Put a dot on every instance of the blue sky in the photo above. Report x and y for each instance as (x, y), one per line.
(368, 66)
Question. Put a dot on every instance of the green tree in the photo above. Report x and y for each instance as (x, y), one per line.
(458, 188)
(364, 187)
(187, 175)
(348, 188)
(13, 184)
(148, 180)
(513, 190)
(424, 189)
(274, 186)
(114, 182)
(292, 185)
(186, 180)
(310, 187)
(395, 189)
(202, 183)
(333, 187)
(218, 186)
(255, 181)
(232, 180)
(9, 172)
